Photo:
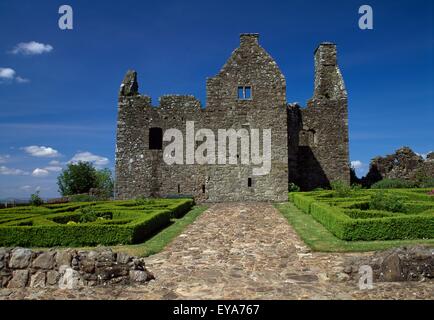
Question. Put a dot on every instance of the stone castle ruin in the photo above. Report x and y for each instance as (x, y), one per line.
(309, 146)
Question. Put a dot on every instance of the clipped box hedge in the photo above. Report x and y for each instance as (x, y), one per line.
(50, 227)
(356, 224)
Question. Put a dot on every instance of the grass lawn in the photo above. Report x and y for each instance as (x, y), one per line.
(318, 238)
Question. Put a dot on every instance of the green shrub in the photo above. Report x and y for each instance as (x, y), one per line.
(318, 189)
(340, 188)
(78, 234)
(36, 200)
(356, 187)
(90, 214)
(387, 202)
(427, 183)
(393, 184)
(332, 218)
(82, 198)
(292, 187)
(303, 202)
(180, 208)
(366, 214)
(141, 201)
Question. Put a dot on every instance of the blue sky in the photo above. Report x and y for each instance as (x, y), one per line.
(64, 97)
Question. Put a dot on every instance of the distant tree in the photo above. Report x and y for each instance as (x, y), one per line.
(105, 183)
(77, 178)
(35, 199)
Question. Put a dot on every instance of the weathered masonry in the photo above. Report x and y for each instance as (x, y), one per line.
(309, 146)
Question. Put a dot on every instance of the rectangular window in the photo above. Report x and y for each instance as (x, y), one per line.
(155, 138)
(247, 93)
(249, 182)
(244, 93)
(240, 93)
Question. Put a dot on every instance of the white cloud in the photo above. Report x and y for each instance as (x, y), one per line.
(4, 158)
(54, 163)
(357, 164)
(7, 73)
(21, 80)
(43, 172)
(38, 172)
(41, 151)
(53, 168)
(12, 172)
(31, 48)
(89, 157)
(26, 188)
(423, 155)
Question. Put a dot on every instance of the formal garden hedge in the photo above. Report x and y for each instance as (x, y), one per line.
(88, 223)
(371, 214)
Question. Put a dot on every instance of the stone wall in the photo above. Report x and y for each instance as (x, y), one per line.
(414, 263)
(69, 269)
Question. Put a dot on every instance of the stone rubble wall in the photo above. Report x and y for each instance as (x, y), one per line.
(403, 164)
(69, 268)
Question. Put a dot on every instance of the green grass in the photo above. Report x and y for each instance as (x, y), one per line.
(318, 238)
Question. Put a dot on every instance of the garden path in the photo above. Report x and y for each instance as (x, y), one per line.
(240, 251)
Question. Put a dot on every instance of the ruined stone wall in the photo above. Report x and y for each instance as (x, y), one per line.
(403, 164)
(308, 146)
(323, 154)
(141, 171)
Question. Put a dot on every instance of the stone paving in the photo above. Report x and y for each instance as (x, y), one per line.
(240, 251)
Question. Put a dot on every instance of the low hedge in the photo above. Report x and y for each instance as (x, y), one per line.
(50, 227)
(46, 235)
(303, 202)
(393, 183)
(179, 209)
(399, 227)
(357, 224)
(366, 214)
